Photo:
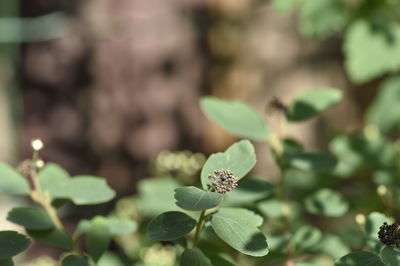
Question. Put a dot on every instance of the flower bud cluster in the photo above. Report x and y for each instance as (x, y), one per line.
(388, 234)
(222, 181)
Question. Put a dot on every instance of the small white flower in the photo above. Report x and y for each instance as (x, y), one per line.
(37, 144)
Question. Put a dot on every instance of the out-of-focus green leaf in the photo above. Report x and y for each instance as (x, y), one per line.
(12, 182)
(194, 257)
(326, 202)
(115, 225)
(390, 256)
(311, 161)
(306, 237)
(110, 259)
(240, 158)
(195, 199)
(249, 190)
(97, 238)
(372, 224)
(53, 178)
(385, 110)
(333, 246)
(275, 208)
(319, 18)
(11, 244)
(30, 218)
(53, 237)
(73, 260)
(240, 232)
(236, 117)
(371, 52)
(360, 258)
(312, 102)
(286, 5)
(170, 226)
(6, 262)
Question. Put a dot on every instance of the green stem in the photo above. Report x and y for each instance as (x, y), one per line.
(198, 228)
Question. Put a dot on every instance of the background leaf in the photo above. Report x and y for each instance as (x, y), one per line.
(195, 199)
(312, 102)
(239, 232)
(53, 178)
(326, 202)
(12, 243)
(30, 218)
(249, 190)
(306, 237)
(53, 237)
(236, 117)
(311, 161)
(115, 225)
(194, 257)
(97, 238)
(12, 182)
(170, 226)
(240, 158)
(72, 260)
(360, 258)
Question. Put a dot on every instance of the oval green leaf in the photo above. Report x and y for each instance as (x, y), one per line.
(195, 199)
(53, 237)
(236, 117)
(12, 182)
(170, 226)
(360, 258)
(240, 158)
(194, 257)
(53, 178)
(30, 218)
(11, 244)
(311, 161)
(390, 256)
(72, 260)
(97, 238)
(326, 202)
(240, 232)
(312, 102)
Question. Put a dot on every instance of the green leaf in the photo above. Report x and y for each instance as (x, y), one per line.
(384, 112)
(240, 232)
(249, 190)
(236, 117)
(306, 237)
(53, 237)
(312, 102)
(285, 6)
(195, 199)
(194, 257)
(97, 238)
(373, 222)
(53, 178)
(319, 18)
(72, 260)
(371, 52)
(326, 202)
(170, 226)
(30, 218)
(222, 259)
(333, 246)
(85, 190)
(12, 182)
(110, 259)
(311, 161)
(240, 158)
(390, 256)
(360, 258)
(11, 244)
(6, 262)
(115, 225)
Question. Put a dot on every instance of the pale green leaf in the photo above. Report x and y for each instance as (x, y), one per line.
(326, 202)
(12, 182)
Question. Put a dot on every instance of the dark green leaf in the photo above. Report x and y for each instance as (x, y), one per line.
(390, 256)
(249, 190)
(11, 244)
(12, 182)
(222, 259)
(312, 102)
(360, 258)
(97, 238)
(194, 257)
(72, 260)
(195, 199)
(240, 158)
(311, 161)
(170, 226)
(30, 218)
(53, 237)
(240, 232)
(236, 117)
(371, 52)
(6, 262)
(326, 202)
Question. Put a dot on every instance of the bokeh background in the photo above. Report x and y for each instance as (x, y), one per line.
(109, 84)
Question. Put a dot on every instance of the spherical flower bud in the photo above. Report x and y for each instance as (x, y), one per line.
(382, 190)
(360, 219)
(388, 234)
(37, 144)
(222, 181)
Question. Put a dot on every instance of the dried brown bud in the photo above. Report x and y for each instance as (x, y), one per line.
(222, 181)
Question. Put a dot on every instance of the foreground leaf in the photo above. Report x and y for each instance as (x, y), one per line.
(11, 244)
(195, 199)
(72, 260)
(312, 102)
(53, 178)
(170, 226)
(390, 256)
(53, 237)
(240, 158)
(12, 182)
(236, 117)
(239, 232)
(326, 202)
(360, 258)
(194, 257)
(30, 218)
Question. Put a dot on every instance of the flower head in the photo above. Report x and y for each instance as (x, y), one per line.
(222, 181)
(37, 144)
(388, 234)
